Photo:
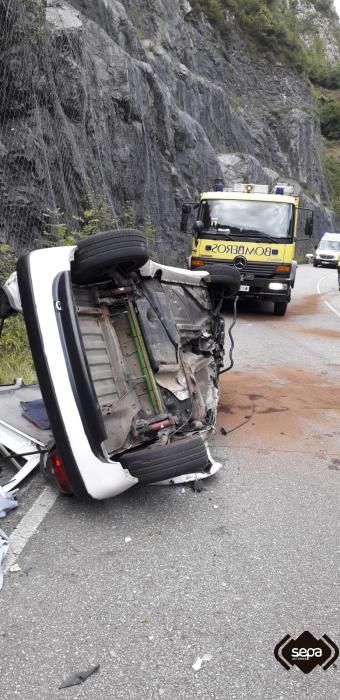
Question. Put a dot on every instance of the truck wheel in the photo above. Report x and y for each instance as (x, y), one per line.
(280, 308)
(160, 462)
(125, 249)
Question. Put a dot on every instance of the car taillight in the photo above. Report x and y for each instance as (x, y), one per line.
(58, 470)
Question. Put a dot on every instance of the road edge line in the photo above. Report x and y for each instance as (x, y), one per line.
(29, 524)
(325, 302)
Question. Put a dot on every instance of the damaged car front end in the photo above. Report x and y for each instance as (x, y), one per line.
(127, 354)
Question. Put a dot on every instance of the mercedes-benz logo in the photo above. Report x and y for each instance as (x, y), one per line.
(240, 262)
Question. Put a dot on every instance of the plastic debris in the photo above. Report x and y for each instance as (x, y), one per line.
(127, 540)
(7, 501)
(79, 677)
(200, 662)
(4, 546)
(216, 507)
(13, 569)
(35, 412)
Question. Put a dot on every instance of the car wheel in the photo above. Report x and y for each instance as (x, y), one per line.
(280, 308)
(160, 462)
(124, 249)
(315, 264)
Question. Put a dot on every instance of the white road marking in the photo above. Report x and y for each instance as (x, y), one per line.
(29, 525)
(326, 302)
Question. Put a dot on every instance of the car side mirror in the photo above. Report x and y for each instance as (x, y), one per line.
(309, 227)
(198, 226)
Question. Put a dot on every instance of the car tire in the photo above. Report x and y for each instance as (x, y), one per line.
(224, 277)
(160, 462)
(315, 264)
(123, 249)
(280, 308)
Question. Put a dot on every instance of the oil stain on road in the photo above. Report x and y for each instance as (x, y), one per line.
(292, 411)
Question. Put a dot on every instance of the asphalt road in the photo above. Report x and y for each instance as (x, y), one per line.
(229, 571)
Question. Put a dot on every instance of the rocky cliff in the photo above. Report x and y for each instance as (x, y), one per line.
(141, 105)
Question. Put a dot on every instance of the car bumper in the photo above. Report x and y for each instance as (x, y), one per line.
(327, 263)
(45, 291)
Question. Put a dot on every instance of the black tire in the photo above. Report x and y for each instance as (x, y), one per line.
(124, 249)
(159, 462)
(280, 308)
(224, 277)
(315, 264)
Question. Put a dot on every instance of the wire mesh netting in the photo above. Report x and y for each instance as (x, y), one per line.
(89, 138)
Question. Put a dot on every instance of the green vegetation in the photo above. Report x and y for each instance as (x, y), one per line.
(36, 21)
(273, 25)
(330, 118)
(15, 357)
(269, 24)
(8, 261)
(328, 102)
(331, 165)
(95, 217)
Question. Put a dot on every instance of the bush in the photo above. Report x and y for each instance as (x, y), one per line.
(330, 119)
(265, 22)
(331, 166)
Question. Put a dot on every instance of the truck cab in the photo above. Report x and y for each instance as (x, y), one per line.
(253, 230)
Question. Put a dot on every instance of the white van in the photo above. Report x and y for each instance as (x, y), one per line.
(328, 250)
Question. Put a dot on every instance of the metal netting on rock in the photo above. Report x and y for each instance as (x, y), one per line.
(91, 137)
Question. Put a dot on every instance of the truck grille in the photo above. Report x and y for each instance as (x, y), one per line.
(327, 257)
(261, 269)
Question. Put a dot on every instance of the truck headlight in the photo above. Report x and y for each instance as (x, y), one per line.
(277, 286)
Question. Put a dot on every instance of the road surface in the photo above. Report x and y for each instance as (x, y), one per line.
(227, 572)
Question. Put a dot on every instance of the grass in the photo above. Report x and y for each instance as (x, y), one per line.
(15, 356)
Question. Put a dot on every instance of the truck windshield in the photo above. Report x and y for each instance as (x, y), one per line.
(329, 245)
(248, 219)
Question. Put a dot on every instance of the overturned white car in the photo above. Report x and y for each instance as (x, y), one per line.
(127, 354)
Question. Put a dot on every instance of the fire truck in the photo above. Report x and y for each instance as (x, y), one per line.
(253, 230)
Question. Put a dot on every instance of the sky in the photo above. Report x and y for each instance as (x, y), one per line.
(337, 6)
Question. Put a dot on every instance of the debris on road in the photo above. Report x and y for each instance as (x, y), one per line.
(21, 441)
(197, 486)
(4, 546)
(201, 662)
(79, 677)
(127, 540)
(14, 569)
(223, 431)
(7, 501)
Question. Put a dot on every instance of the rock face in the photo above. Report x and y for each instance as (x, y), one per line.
(314, 26)
(140, 104)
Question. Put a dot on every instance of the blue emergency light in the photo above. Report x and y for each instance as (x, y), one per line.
(279, 190)
(219, 187)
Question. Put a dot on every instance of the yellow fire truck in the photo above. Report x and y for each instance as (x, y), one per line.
(254, 231)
